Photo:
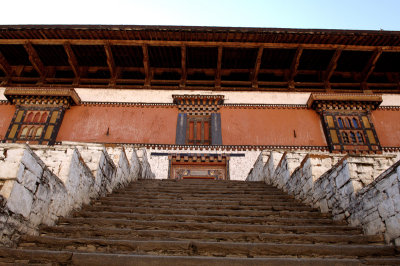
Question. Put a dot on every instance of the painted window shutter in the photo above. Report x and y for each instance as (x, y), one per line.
(216, 134)
(181, 129)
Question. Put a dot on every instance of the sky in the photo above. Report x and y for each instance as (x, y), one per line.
(316, 14)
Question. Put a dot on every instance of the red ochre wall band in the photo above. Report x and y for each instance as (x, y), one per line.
(239, 125)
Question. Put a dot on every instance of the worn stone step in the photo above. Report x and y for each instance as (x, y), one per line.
(95, 259)
(212, 210)
(259, 191)
(192, 203)
(207, 247)
(223, 227)
(145, 194)
(122, 233)
(208, 218)
(208, 210)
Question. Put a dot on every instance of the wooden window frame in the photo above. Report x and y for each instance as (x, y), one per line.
(340, 138)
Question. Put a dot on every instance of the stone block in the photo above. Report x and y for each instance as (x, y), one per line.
(374, 227)
(20, 200)
(30, 180)
(393, 226)
(5, 191)
(386, 208)
(30, 162)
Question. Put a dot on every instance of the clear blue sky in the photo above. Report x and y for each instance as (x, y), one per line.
(333, 14)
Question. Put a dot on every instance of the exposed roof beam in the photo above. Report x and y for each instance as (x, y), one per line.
(332, 66)
(73, 62)
(294, 66)
(110, 62)
(201, 43)
(5, 66)
(369, 68)
(257, 68)
(219, 66)
(146, 65)
(35, 59)
(183, 65)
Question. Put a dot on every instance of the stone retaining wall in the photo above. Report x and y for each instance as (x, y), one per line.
(363, 190)
(38, 184)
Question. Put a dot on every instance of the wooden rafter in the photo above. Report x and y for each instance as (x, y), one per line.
(73, 62)
(369, 68)
(183, 65)
(332, 66)
(202, 44)
(110, 62)
(35, 59)
(146, 65)
(257, 68)
(294, 66)
(219, 66)
(4, 65)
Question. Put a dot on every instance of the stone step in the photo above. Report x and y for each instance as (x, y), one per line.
(192, 203)
(201, 196)
(259, 191)
(206, 247)
(206, 210)
(208, 218)
(41, 257)
(122, 233)
(223, 194)
(213, 227)
(212, 210)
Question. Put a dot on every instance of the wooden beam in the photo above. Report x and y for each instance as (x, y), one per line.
(35, 59)
(219, 66)
(294, 66)
(332, 65)
(73, 62)
(146, 65)
(110, 63)
(201, 44)
(183, 65)
(257, 68)
(369, 68)
(5, 66)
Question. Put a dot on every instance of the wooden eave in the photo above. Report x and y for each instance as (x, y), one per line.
(370, 99)
(312, 67)
(70, 94)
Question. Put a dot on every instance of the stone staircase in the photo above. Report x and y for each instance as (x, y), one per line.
(199, 222)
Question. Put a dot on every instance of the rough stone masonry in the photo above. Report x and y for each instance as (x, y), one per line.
(38, 184)
(363, 190)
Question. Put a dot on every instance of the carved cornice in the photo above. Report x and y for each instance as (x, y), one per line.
(42, 96)
(345, 101)
(198, 104)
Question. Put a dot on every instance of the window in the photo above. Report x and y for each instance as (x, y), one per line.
(350, 131)
(199, 122)
(38, 125)
(198, 130)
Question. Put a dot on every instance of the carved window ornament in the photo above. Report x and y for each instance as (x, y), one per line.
(199, 122)
(347, 122)
(39, 113)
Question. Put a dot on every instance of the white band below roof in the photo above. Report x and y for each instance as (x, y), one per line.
(231, 97)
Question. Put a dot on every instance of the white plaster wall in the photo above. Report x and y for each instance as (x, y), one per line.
(239, 167)
(231, 97)
(165, 96)
(2, 97)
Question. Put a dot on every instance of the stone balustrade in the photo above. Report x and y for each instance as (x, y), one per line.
(38, 183)
(363, 189)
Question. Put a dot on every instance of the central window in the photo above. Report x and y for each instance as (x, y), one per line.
(198, 130)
